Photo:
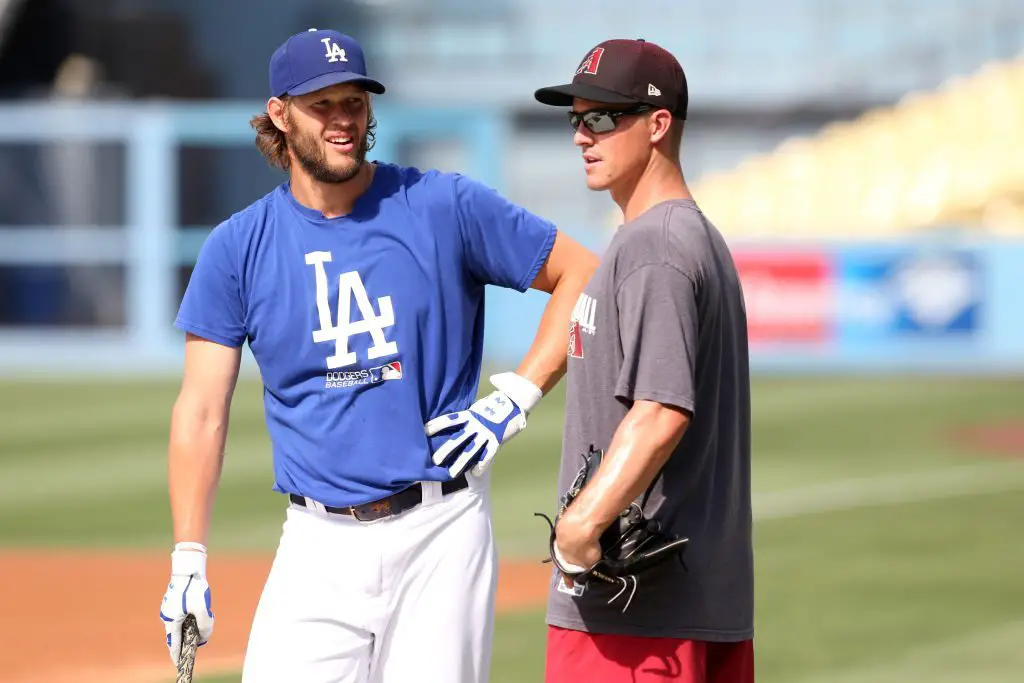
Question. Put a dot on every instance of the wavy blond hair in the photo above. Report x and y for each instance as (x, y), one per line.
(272, 142)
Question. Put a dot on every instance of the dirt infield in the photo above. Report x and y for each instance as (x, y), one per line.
(52, 632)
(999, 439)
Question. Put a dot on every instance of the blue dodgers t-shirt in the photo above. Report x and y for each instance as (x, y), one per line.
(365, 326)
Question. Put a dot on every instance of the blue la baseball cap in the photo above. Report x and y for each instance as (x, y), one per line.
(315, 59)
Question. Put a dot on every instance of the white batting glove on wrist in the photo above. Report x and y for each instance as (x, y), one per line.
(187, 593)
(487, 424)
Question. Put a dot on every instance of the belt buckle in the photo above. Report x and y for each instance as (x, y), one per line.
(378, 509)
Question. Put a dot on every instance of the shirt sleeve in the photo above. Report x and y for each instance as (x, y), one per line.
(657, 307)
(504, 244)
(212, 305)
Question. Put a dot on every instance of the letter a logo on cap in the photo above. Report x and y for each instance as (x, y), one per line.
(591, 63)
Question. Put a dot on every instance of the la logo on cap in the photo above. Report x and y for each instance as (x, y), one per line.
(591, 63)
(334, 51)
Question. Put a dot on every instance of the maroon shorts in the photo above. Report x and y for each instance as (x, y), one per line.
(574, 656)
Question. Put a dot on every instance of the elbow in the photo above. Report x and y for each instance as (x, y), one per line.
(585, 265)
(569, 267)
(578, 273)
(677, 421)
(194, 419)
(664, 424)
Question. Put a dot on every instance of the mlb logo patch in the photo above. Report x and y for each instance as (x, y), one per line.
(383, 373)
(576, 590)
(391, 371)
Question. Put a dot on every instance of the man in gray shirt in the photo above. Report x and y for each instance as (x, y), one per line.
(658, 379)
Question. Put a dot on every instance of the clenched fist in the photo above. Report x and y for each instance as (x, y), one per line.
(187, 593)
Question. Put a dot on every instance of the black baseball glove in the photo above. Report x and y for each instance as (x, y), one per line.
(632, 545)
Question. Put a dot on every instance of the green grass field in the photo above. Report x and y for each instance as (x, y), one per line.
(887, 550)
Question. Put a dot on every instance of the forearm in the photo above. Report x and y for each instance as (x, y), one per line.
(544, 362)
(642, 444)
(195, 459)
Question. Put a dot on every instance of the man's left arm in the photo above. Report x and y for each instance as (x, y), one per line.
(564, 275)
(507, 246)
(657, 306)
(641, 446)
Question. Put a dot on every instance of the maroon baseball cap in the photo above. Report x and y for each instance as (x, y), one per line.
(625, 72)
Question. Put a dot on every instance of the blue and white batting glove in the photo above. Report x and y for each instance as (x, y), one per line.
(187, 593)
(488, 423)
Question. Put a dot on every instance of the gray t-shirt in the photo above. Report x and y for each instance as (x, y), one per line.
(663, 319)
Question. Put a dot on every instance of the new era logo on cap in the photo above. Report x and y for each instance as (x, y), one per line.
(624, 72)
(316, 59)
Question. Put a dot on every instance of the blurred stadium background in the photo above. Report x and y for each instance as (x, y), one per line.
(864, 158)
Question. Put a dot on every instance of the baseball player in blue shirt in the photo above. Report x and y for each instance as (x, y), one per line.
(359, 288)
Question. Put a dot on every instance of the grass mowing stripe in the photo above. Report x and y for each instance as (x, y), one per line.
(987, 655)
(850, 588)
(893, 489)
(897, 489)
(859, 575)
(840, 397)
(132, 476)
(58, 444)
(100, 472)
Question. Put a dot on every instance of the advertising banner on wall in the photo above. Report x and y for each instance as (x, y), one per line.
(909, 294)
(883, 306)
(790, 296)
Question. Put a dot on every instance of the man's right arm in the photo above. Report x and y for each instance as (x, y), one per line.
(212, 317)
(199, 425)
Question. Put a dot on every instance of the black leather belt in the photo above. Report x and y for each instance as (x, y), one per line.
(395, 504)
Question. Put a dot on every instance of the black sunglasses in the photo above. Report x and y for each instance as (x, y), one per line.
(603, 120)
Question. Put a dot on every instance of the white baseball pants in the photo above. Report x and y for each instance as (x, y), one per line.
(408, 598)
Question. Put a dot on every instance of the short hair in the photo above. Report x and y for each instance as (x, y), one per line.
(273, 143)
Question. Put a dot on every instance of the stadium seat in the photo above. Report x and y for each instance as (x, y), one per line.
(932, 159)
